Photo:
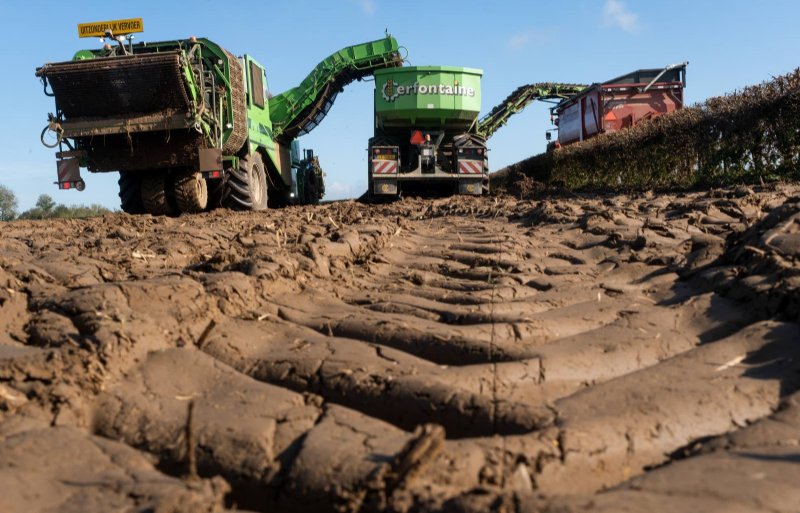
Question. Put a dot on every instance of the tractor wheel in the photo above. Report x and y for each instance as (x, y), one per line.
(370, 196)
(215, 190)
(191, 192)
(246, 186)
(485, 183)
(154, 194)
(130, 193)
(311, 189)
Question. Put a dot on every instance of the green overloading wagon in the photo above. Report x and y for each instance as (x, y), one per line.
(426, 120)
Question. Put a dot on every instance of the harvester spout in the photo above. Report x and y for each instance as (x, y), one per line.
(521, 98)
(298, 110)
(670, 67)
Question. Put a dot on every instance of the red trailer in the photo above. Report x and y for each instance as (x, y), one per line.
(620, 103)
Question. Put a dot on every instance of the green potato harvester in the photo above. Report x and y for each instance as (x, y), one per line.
(188, 125)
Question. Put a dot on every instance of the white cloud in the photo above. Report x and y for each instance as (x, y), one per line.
(368, 6)
(522, 39)
(615, 14)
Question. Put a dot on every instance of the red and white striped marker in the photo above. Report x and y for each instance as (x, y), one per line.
(470, 167)
(384, 167)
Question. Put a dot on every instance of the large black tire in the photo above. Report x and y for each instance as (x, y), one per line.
(130, 193)
(369, 196)
(191, 192)
(154, 194)
(216, 190)
(246, 187)
(311, 190)
(320, 185)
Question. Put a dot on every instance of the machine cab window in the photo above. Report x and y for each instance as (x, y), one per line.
(258, 85)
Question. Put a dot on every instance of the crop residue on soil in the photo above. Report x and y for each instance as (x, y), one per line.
(599, 353)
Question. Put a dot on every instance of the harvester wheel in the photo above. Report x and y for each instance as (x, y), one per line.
(485, 187)
(246, 187)
(154, 194)
(311, 188)
(191, 192)
(370, 187)
(215, 190)
(130, 193)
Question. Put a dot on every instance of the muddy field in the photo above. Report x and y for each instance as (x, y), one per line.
(571, 353)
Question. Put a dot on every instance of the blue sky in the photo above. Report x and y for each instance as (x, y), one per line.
(729, 45)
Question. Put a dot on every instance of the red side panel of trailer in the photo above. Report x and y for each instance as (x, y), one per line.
(626, 107)
(620, 103)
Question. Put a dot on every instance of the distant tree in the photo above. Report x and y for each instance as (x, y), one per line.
(45, 203)
(8, 204)
(78, 211)
(46, 208)
(32, 213)
(64, 212)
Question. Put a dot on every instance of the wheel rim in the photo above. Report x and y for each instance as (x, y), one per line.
(257, 178)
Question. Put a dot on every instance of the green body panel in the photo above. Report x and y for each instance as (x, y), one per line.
(259, 124)
(299, 109)
(428, 97)
(81, 55)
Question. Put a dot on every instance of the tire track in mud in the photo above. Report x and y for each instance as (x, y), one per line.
(564, 346)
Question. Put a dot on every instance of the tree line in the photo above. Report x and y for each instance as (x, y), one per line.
(46, 208)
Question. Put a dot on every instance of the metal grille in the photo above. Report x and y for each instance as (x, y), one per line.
(238, 135)
(118, 86)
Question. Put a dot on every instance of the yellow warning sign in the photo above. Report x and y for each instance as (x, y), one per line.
(117, 27)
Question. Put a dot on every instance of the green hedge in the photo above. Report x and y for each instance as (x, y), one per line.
(747, 136)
